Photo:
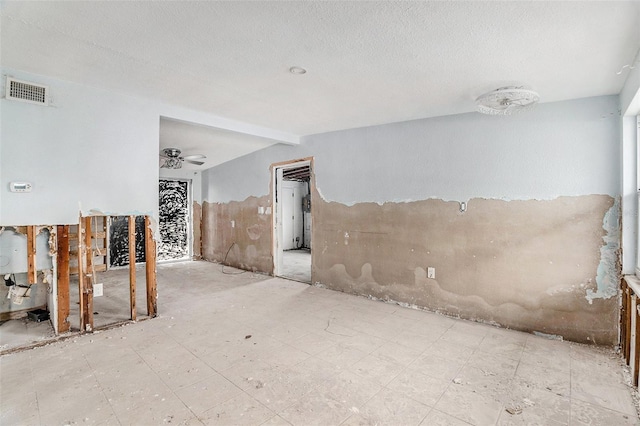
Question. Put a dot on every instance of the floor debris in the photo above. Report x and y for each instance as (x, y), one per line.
(514, 410)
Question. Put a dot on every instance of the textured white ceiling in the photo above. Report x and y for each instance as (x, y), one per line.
(218, 145)
(368, 62)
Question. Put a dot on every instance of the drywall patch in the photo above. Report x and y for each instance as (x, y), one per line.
(609, 269)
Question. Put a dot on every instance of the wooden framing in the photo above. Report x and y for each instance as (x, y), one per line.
(63, 242)
(32, 273)
(150, 266)
(82, 306)
(88, 251)
(85, 279)
(132, 266)
(624, 288)
(636, 361)
(63, 278)
(627, 326)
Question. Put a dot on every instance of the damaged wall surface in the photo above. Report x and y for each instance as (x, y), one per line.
(537, 248)
(237, 234)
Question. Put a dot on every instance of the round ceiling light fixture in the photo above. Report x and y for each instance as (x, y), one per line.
(507, 100)
(297, 70)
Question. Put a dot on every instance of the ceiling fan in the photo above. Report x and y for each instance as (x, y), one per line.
(173, 160)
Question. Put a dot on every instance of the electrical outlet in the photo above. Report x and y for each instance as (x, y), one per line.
(97, 290)
(431, 273)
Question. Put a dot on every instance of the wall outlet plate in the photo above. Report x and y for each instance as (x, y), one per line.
(431, 273)
(98, 290)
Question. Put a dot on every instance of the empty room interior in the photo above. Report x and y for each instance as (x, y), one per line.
(331, 213)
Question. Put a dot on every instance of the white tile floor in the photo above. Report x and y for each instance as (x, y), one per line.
(246, 349)
(296, 265)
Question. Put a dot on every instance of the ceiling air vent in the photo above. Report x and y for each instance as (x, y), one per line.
(25, 91)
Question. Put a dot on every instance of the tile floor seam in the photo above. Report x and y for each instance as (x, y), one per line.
(168, 387)
(93, 374)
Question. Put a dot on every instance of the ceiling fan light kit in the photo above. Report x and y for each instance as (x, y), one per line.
(172, 159)
(507, 101)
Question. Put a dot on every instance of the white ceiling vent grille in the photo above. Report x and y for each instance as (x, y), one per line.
(25, 91)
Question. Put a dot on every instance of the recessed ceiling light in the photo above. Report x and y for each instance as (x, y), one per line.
(297, 70)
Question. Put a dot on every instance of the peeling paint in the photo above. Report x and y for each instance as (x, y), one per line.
(608, 276)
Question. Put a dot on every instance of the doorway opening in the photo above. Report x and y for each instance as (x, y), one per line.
(292, 219)
(174, 220)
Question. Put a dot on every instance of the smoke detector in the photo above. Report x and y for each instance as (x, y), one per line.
(507, 100)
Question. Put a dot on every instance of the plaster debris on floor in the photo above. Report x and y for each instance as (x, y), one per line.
(250, 349)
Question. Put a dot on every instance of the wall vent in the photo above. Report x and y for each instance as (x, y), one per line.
(25, 91)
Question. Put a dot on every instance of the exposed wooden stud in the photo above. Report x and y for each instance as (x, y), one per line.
(88, 243)
(90, 279)
(636, 361)
(150, 249)
(32, 273)
(627, 340)
(132, 266)
(623, 317)
(63, 278)
(82, 296)
(88, 311)
(633, 316)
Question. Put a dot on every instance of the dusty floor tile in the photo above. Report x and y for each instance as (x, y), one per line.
(386, 407)
(437, 367)
(395, 352)
(349, 389)
(341, 356)
(418, 386)
(316, 408)
(240, 410)
(121, 369)
(584, 413)
(552, 379)
(605, 394)
(469, 406)
(312, 343)
(381, 371)
(207, 393)
(438, 418)
(534, 406)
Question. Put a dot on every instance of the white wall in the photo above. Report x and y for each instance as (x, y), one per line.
(91, 150)
(561, 148)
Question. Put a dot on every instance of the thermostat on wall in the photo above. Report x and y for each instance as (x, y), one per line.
(20, 187)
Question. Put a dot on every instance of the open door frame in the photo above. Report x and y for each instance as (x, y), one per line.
(276, 228)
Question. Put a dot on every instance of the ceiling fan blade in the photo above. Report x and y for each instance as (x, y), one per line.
(194, 157)
(198, 163)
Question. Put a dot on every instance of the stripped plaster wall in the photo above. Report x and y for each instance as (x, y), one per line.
(537, 248)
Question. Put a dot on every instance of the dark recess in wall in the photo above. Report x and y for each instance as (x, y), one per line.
(119, 240)
(174, 217)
